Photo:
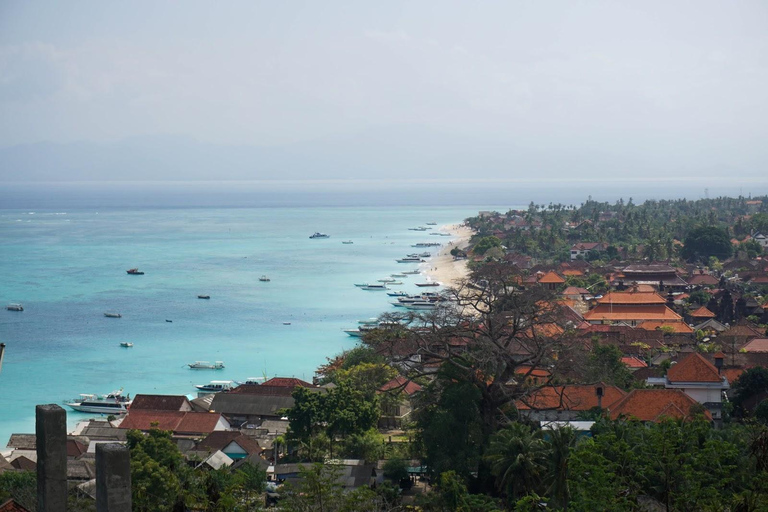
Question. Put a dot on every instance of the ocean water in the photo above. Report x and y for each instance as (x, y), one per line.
(68, 267)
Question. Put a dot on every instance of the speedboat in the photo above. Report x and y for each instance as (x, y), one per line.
(126, 344)
(113, 315)
(216, 385)
(14, 307)
(264, 279)
(135, 272)
(205, 365)
(113, 403)
(319, 235)
(203, 296)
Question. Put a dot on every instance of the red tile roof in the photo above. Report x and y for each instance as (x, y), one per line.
(75, 448)
(652, 325)
(577, 397)
(703, 279)
(655, 404)
(732, 374)
(220, 439)
(288, 382)
(618, 312)
(159, 402)
(756, 345)
(12, 506)
(176, 421)
(634, 298)
(703, 312)
(408, 386)
(551, 277)
(574, 290)
(633, 362)
(693, 368)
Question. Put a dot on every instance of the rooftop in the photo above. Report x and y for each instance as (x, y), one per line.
(655, 404)
(633, 298)
(694, 368)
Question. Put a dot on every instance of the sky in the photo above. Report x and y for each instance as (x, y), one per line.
(493, 90)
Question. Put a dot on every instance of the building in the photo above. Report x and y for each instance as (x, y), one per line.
(655, 274)
(632, 308)
(656, 405)
(566, 403)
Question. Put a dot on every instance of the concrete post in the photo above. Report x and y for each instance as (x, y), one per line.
(51, 434)
(113, 478)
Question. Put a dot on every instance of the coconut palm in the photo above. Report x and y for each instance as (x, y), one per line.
(517, 457)
(561, 442)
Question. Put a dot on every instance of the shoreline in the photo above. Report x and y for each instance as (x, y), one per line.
(442, 267)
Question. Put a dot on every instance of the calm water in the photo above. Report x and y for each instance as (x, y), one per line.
(67, 268)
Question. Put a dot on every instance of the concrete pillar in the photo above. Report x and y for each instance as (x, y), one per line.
(113, 478)
(51, 434)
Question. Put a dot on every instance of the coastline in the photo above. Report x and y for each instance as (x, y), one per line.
(442, 267)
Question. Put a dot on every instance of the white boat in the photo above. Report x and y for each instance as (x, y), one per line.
(420, 305)
(113, 403)
(216, 385)
(431, 223)
(387, 280)
(264, 279)
(431, 283)
(347, 242)
(398, 276)
(319, 235)
(14, 307)
(113, 315)
(126, 344)
(397, 294)
(370, 321)
(374, 287)
(205, 365)
(203, 296)
(410, 259)
(411, 272)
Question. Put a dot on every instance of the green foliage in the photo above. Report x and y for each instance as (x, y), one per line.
(396, 470)
(340, 412)
(517, 457)
(318, 489)
(752, 382)
(605, 365)
(21, 486)
(366, 377)
(761, 412)
(452, 495)
(699, 297)
(450, 430)
(485, 244)
(706, 241)
(366, 445)
(361, 354)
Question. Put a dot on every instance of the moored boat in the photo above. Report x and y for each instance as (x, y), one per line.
(431, 283)
(264, 279)
(126, 344)
(14, 307)
(135, 272)
(216, 385)
(347, 242)
(203, 296)
(113, 403)
(374, 287)
(397, 294)
(410, 259)
(113, 315)
(411, 272)
(317, 234)
(205, 365)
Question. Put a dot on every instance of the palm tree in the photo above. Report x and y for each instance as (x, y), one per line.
(517, 457)
(561, 442)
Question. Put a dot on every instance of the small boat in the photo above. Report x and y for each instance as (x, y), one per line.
(397, 294)
(370, 321)
(205, 365)
(432, 283)
(216, 385)
(387, 280)
(113, 403)
(394, 283)
(398, 276)
(203, 296)
(264, 279)
(347, 242)
(14, 307)
(319, 235)
(427, 244)
(431, 223)
(286, 323)
(113, 315)
(410, 259)
(420, 305)
(135, 272)
(355, 333)
(169, 321)
(420, 228)
(411, 272)
(374, 287)
(126, 344)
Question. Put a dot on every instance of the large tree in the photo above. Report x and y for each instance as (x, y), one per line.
(706, 241)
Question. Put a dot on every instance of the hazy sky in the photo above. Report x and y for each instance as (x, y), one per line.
(685, 83)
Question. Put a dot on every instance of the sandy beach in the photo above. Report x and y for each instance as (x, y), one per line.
(442, 267)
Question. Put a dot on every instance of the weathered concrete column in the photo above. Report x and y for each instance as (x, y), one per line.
(113, 478)
(51, 434)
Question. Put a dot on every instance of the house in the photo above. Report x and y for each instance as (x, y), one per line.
(12, 505)
(181, 423)
(702, 279)
(656, 405)
(702, 314)
(699, 379)
(633, 363)
(566, 403)
(655, 274)
(250, 404)
(396, 402)
(288, 382)
(583, 248)
(755, 345)
(761, 239)
(232, 443)
(160, 403)
(632, 308)
(576, 293)
(551, 280)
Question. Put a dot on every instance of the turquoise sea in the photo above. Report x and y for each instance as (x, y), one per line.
(68, 267)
